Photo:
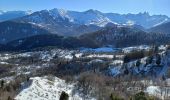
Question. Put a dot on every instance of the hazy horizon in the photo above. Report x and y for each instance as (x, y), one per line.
(87, 10)
(153, 7)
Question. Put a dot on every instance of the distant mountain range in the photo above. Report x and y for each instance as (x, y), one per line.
(90, 28)
(8, 15)
(89, 17)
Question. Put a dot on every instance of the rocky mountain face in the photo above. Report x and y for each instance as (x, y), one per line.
(57, 22)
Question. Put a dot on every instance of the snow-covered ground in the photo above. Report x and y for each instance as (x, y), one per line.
(141, 47)
(158, 91)
(115, 62)
(153, 90)
(41, 88)
(100, 56)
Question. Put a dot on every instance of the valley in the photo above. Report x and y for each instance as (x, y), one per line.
(141, 68)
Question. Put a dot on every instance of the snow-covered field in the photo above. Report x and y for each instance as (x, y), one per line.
(100, 56)
(130, 49)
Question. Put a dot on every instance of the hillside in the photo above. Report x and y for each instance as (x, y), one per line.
(125, 36)
(10, 31)
(163, 28)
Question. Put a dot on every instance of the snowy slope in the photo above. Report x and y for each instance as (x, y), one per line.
(90, 17)
(144, 68)
(164, 21)
(141, 47)
(158, 91)
(43, 89)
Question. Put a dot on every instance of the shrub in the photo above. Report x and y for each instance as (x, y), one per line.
(126, 71)
(115, 97)
(9, 98)
(126, 59)
(158, 60)
(134, 55)
(64, 96)
(2, 83)
(138, 63)
(140, 96)
(149, 60)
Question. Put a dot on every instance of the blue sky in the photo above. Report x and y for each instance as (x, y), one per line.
(116, 6)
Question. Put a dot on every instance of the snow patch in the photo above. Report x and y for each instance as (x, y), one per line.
(153, 90)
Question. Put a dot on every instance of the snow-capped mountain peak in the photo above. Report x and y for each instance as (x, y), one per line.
(82, 18)
(29, 12)
(60, 12)
(95, 17)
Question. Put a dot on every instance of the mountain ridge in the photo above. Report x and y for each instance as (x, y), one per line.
(99, 18)
(65, 23)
